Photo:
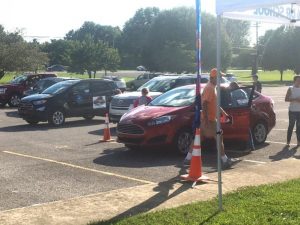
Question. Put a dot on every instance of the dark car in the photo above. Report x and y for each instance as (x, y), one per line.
(72, 98)
(141, 79)
(43, 84)
(168, 119)
(56, 68)
(11, 93)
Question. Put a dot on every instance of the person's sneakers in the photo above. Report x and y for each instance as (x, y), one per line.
(228, 164)
(186, 162)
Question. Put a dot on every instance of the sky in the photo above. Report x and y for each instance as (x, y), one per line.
(52, 19)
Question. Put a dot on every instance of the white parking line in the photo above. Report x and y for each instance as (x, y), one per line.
(253, 161)
(79, 167)
(282, 143)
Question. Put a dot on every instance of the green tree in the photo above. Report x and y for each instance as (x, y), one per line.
(97, 32)
(134, 36)
(92, 56)
(18, 55)
(276, 55)
(238, 32)
(172, 35)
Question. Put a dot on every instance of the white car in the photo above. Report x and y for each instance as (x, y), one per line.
(120, 82)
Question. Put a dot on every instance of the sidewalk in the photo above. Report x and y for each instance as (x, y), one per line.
(145, 198)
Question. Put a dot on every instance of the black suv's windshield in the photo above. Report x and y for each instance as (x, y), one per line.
(59, 87)
(19, 79)
(175, 98)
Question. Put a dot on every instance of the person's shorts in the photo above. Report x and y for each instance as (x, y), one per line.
(209, 130)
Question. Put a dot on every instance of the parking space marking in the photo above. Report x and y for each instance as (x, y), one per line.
(253, 161)
(282, 143)
(79, 167)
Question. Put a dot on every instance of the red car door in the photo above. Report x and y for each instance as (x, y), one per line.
(237, 103)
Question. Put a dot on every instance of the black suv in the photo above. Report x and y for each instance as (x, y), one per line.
(72, 98)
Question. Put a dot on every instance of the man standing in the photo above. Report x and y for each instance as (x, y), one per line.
(208, 118)
(256, 83)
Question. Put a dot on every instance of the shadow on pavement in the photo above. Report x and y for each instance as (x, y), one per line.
(113, 130)
(12, 114)
(163, 194)
(285, 153)
(46, 126)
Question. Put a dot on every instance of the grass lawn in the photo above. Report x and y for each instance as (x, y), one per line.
(268, 204)
(268, 78)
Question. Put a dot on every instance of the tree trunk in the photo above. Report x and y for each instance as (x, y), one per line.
(90, 74)
(94, 74)
(281, 75)
(105, 72)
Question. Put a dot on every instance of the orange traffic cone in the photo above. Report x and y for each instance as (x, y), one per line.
(195, 173)
(106, 131)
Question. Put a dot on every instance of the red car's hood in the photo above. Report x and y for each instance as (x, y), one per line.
(148, 112)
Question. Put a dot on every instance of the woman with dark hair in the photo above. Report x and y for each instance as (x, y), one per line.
(293, 97)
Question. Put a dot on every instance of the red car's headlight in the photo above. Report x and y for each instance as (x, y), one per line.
(160, 120)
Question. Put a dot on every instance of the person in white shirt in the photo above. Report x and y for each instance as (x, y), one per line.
(293, 97)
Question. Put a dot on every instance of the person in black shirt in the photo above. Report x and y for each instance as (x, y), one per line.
(256, 83)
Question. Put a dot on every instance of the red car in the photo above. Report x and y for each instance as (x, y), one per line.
(168, 119)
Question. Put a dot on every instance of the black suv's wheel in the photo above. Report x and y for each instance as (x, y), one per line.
(32, 122)
(56, 118)
(14, 100)
(88, 117)
(183, 141)
(259, 133)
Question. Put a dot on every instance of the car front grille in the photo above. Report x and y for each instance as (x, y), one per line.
(117, 103)
(129, 129)
(25, 106)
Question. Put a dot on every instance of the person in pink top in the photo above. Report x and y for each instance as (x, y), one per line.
(144, 99)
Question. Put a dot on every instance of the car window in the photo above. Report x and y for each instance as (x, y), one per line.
(145, 76)
(59, 87)
(175, 98)
(140, 77)
(237, 98)
(81, 89)
(19, 79)
(101, 88)
(152, 76)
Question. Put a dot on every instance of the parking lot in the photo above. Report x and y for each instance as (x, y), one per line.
(40, 164)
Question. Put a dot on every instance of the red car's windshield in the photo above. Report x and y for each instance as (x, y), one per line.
(175, 98)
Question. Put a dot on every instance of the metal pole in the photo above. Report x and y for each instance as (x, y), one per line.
(219, 111)
(256, 59)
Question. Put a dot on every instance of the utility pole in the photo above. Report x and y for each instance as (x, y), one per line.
(255, 64)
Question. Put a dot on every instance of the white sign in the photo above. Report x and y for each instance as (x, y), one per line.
(99, 102)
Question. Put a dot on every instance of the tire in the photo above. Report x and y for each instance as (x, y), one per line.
(88, 117)
(32, 122)
(14, 100)
(183, 141)
(259, 133)
(56, 118)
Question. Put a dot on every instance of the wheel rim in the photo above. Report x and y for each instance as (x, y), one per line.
(58, 118)
(260, 133)
(184, 142)
(15, 100)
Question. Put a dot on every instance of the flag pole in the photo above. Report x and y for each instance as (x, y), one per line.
(197, 119)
